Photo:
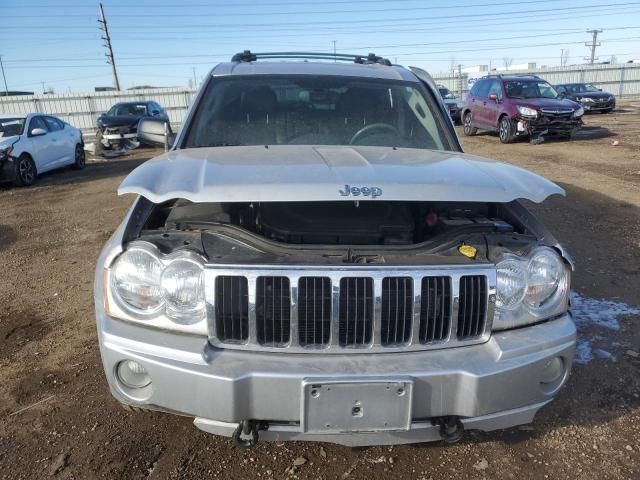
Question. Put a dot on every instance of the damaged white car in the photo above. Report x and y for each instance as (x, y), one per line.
(315, 258)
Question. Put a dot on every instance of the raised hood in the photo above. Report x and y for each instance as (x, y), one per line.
(305, 173)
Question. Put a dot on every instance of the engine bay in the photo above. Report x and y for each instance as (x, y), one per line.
(339, 232)
(339, 223)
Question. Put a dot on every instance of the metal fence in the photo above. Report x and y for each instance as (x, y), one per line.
(83, 110)
(623, 80)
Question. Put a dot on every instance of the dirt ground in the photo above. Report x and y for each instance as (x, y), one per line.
(50, 236)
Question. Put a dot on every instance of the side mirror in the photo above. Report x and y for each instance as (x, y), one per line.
(155, 132)
(599, 89)
(493, 96)
(37, 132)
(155, 113)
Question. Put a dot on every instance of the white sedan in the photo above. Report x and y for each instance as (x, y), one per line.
(36, 143)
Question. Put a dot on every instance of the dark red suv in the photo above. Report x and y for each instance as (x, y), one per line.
(518, 105)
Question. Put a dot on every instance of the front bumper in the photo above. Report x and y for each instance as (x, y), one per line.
(113, 138)
(489, 386)
(544, 125)
(598, 106)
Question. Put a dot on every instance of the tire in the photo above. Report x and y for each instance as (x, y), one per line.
(468, 129)
(505, 130)
(608, 110)
(80, 158)
(25, 173)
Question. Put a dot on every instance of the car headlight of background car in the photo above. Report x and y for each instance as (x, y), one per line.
(165, 291)
(530, 289)
(5, 153)
(586, 100)
(527, 112)
(579, 112)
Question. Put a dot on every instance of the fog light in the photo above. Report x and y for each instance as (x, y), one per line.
(133, 375)
(553, 371)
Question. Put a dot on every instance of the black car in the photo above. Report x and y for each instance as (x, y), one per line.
(452, 103)
(120, 123)
(591, 98)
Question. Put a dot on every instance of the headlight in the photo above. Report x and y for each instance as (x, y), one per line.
(183, 290)
(136, 281)
(511, 283)
(530, 289)
(587, 100)
(579, 112)
(527, 112)
(165, 291)
(5, 152)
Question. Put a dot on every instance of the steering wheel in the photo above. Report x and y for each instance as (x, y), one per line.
(369, 128)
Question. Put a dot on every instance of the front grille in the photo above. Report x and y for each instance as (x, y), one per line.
(559, 112)
(435, 314)
(348, 310)
(273, 310)
(397, 306)
(232, 309)
(472, 306)
(314, 311)
(356, 311)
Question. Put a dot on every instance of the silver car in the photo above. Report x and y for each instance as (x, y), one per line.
(315, 258)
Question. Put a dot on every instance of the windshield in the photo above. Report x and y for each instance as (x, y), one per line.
(581, 88)
(529, 89)
(11, 126)
(446, 93)
(135, 109)
(315, 110)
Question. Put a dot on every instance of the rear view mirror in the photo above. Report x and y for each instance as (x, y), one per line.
(155, 132)
(493, 96)
(37, 132)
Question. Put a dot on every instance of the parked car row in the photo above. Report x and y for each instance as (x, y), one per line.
(526, 106)
(35, 143)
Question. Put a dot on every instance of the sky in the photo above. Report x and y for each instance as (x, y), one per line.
(57, 44)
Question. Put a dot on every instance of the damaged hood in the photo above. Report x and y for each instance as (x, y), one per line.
(293, 173)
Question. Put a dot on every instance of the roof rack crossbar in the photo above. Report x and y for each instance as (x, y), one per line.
(248, 56)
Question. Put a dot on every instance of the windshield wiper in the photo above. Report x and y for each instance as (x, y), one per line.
(222, 144)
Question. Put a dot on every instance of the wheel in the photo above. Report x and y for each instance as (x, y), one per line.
(468, 129)
(79, 158)
(608, 110)
(505, 130)
(25, 171)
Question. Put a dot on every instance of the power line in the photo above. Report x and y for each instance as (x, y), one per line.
(107, 39)
(235, 5)
(350, 21)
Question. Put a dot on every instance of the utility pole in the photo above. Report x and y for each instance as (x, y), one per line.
(562, 57)
(109, 54)
(6, 89)
(459, 81)
(594, 43)
(334, 52)
(195, 82)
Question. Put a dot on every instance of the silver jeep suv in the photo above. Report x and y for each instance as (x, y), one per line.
(315, 258)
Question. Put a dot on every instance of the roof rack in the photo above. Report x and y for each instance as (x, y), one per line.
(372, 58)
(500, 75)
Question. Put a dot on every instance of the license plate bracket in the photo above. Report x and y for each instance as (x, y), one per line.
(356, 406)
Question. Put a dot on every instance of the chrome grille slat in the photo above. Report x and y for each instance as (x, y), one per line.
(313, 298)
(378, 319)
(397, 303)
(435, 316)
(472, 314)
(356, 312)
(273, 310)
